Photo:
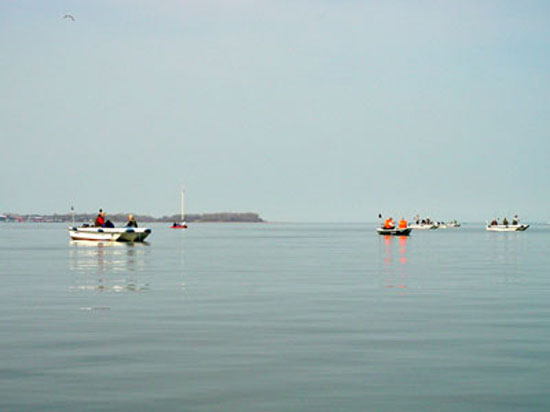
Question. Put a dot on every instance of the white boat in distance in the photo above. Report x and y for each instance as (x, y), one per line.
(452, 224)
(104, 234)
(423, 226)
(507, 228)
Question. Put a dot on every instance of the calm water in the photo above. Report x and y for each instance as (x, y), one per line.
(275, 317)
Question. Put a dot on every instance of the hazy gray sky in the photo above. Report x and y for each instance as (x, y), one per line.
(300, 110)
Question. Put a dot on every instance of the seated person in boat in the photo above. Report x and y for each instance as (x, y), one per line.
(131, 221)
(101, 222)
(403, 223)
(505, 222)
(100, 219)
(389, 223)
(515, 221)
(494, 222)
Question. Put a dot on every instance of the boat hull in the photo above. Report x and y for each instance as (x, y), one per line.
(101, 234)
(394, 232)
(507, 228)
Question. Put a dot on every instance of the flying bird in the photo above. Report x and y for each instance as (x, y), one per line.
(69, 16)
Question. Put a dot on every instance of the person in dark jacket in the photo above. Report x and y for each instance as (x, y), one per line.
(131, 221)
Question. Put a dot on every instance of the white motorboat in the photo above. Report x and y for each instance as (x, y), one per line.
(423, 226)
(453, 223)
(104, 234)
(507, 228)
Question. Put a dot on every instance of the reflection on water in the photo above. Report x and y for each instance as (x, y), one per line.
(108, 266)
(507, 251)
(394, 269)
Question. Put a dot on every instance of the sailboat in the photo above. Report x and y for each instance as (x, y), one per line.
(182, 224)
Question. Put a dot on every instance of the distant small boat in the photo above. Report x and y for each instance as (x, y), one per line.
(406, 231)
(453, 223)
(182, 224)
(507, 228)
(423, 226)
(104, 234)
(178, 225)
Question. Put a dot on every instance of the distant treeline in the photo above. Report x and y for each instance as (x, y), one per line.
(122, 217)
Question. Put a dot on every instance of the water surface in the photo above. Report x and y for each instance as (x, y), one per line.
(275, 317)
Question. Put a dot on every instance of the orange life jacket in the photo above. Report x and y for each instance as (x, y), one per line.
(402, 224)
(388, 224)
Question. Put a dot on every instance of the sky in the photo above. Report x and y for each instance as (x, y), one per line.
(304, 110)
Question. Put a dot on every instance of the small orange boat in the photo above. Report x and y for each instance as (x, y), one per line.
(182, 225)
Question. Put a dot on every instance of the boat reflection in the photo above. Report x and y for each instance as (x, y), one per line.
(403, 249)
(506, 252)
(395, 260)
(108, 266)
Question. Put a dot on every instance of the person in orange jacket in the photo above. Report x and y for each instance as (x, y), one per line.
(403, 223)
(389, 223)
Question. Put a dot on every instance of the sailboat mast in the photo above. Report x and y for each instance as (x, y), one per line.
(182, 205)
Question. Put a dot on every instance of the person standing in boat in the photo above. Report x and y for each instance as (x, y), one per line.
(131, 221)
(100, 219)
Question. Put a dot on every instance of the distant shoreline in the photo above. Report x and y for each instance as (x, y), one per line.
(223, 217)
